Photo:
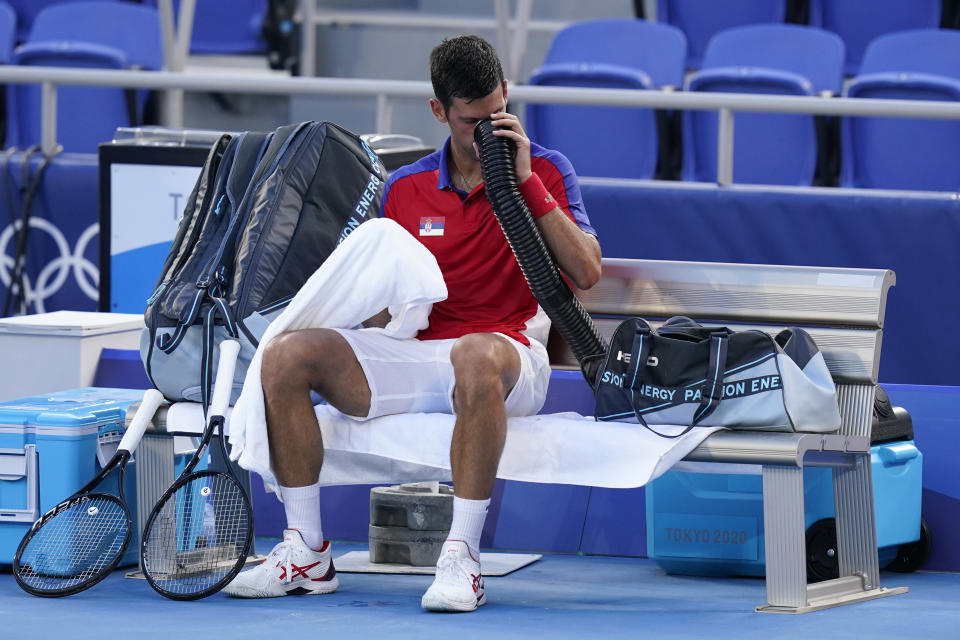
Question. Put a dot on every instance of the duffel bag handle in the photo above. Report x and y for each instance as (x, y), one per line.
(639, 354)
(711, 392)
(682, 327)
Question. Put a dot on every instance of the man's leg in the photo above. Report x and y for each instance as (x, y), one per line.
(486, 367)
(294, 364)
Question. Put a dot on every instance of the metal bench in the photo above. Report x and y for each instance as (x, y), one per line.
(843, 309)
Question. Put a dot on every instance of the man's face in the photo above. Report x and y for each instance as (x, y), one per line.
(462, 116)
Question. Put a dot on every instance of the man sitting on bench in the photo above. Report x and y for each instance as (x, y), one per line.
(482, 357)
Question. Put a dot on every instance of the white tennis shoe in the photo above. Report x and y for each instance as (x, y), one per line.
(292, 568)
(458, 585)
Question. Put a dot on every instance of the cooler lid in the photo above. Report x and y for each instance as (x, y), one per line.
(65, 412)
(71, 323)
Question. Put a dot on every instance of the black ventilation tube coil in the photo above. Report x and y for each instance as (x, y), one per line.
(566, 313)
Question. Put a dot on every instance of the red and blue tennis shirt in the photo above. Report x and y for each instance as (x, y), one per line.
(486, 289)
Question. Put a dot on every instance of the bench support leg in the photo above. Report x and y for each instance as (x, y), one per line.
(784, 537)
(785, 540)
(856, 526)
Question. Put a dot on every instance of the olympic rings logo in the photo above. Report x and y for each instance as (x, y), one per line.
(55, 273)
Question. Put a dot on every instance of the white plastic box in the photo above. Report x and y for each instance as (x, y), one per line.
(50, 352)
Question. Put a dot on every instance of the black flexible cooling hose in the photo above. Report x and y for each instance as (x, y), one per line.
(564, 309)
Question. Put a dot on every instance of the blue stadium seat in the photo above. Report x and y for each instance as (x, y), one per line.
(858, 22)
(763, 59)
(8, 32)
(86, 116)
(27, 11)
(701, 19)
(622, 54)
(96, 34)
(933, 51)
(656, 49)
(226, 26)
(8, 35)
(898, 153)
(132, 28)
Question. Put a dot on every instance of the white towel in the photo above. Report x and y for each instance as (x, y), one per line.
(381, 264)
(378, 265)
(559, 448)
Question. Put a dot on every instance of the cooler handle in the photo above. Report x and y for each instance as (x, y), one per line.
(897, 453)
(32, 512)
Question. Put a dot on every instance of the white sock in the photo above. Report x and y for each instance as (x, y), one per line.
(467, 525)
(302, 506)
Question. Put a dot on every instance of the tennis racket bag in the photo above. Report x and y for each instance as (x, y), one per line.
(687, 374)
(266, 211)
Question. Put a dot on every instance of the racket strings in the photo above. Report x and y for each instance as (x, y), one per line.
(198, 536)
(75, 545)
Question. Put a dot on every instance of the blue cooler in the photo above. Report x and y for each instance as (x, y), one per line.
(52, 445)
(710, 524)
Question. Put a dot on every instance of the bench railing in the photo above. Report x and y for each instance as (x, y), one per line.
(746, 292)
(843, 309)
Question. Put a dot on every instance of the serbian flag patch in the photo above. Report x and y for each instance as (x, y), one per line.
(431, 226)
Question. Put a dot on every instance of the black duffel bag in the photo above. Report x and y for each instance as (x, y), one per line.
(690, 375)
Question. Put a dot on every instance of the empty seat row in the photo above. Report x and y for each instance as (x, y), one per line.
(857, 22)
(769, 148)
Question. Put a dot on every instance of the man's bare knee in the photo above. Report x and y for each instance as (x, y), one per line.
(483, 364)
(281, 364)
(294, 360)
(315, 359)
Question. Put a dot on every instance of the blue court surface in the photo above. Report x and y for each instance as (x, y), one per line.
(559, 596)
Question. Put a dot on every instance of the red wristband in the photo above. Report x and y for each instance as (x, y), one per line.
(538, 199)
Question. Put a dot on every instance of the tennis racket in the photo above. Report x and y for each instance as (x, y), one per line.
(199, 534)
(78, 542)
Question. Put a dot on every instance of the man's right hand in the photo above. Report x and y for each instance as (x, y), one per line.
(379, 320)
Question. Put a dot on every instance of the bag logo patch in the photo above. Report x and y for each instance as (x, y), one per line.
(623, 356)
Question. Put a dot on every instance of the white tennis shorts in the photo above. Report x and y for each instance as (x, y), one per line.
(416, 376)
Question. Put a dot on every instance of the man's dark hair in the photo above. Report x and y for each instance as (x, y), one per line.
(464, 67)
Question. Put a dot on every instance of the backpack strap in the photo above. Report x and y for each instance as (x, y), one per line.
(218, 308)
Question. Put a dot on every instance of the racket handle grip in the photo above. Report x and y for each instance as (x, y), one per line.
(148, 406)
(223, 386)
